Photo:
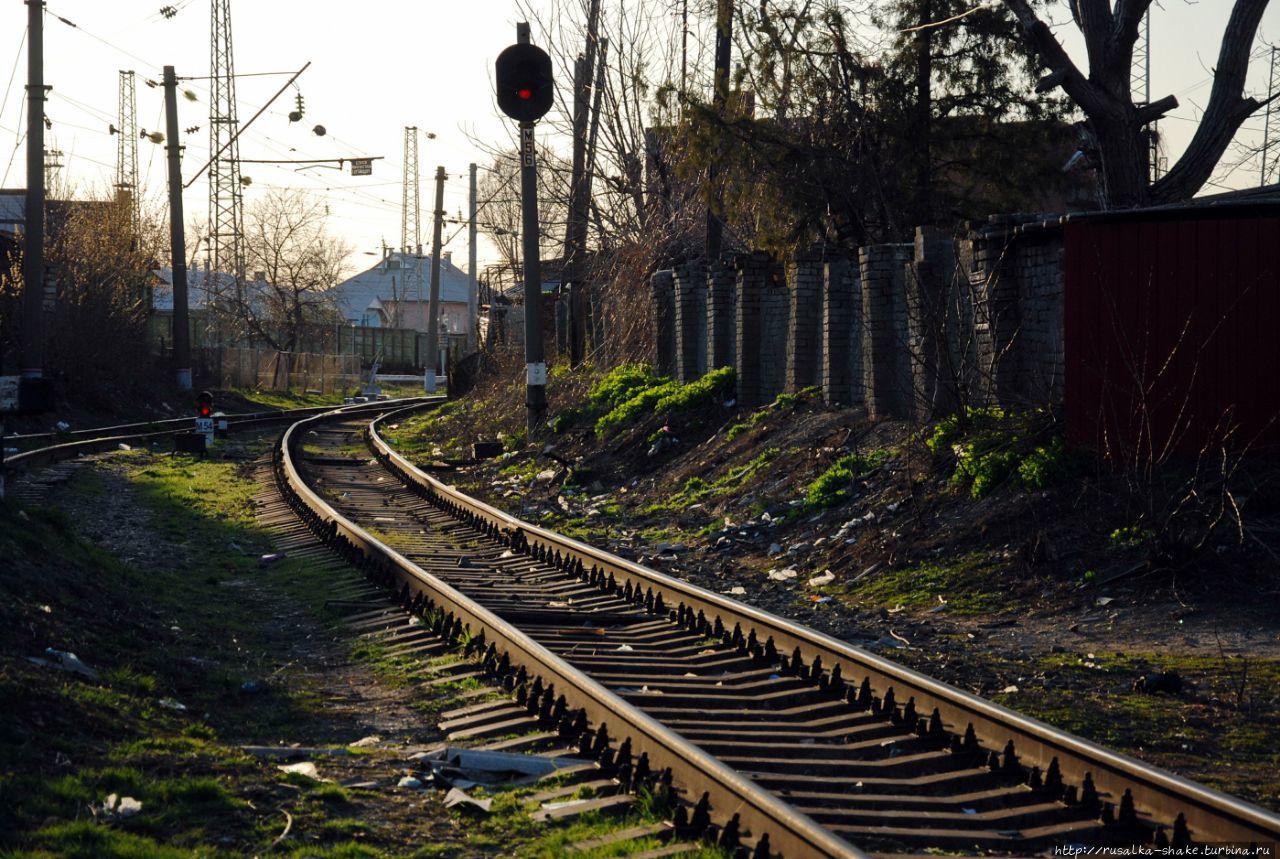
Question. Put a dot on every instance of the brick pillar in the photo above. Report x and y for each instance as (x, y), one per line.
(804, 341)
(722, 299)
(691, 321)
(753, 278)
(662, 287)
(775, 314)
(995, 287)
(841, 334)
(932, 324)
(886, 363)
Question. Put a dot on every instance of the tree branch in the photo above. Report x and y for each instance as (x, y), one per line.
(1226, 110)
(1040, 39)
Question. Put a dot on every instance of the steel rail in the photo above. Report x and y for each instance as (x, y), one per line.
(141, 432)
(759, 812)
(1158, 796)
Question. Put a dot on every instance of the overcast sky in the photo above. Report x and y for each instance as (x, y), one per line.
(377, 67)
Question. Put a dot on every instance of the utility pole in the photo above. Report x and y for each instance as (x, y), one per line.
(473, 298)
(576, 226)
(127, 148)
(724, 36)
(433, 319)
(177, 240)
(33, 217)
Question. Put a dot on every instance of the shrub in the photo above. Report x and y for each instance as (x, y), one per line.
(836, 483)
(1045, 465)
(621, 384)
(665, 396)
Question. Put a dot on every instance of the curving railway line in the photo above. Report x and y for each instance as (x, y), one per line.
(777, 739)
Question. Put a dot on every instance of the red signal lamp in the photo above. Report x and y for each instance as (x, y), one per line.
(525, 94)
(204, 404)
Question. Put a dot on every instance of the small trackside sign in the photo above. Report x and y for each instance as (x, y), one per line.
(537, 373)
(528, 157)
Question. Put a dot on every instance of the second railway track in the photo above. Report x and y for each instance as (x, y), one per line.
(798, 744)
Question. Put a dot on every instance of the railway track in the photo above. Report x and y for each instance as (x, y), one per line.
(777, 738)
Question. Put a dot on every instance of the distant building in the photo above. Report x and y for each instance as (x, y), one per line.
(396, 293)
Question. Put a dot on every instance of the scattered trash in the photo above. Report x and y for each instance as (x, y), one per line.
(825, 578)
(268, 560)
(737, 591)
(456, 797)
(366, 742)
(545, 476)
(47, 609)
(775, 549)
(942, 605)
(624, 648)
(63, 426)
(969, 810)
(65, 661)
(1104, 601)
(305, 768)
(123, 446)
(172, 704)
(818, 600)
(783, 575)
(410, 782)
(566, 803)
(899, 637)
(1009, 689)
(886, 641)
(116, 807)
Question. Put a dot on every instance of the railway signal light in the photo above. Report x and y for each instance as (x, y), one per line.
(525, 85)
(204, 404)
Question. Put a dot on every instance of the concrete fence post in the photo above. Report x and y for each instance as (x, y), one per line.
(753, 277)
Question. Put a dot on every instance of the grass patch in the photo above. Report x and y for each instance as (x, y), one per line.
(965, 584)
(835, 485)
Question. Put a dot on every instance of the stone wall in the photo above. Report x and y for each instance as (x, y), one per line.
(908, 331)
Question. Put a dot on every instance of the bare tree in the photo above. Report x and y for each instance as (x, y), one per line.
(1118, 125)
(287, 243)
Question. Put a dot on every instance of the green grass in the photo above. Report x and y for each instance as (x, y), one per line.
(965, 584)
(664, 397)
(835, 485)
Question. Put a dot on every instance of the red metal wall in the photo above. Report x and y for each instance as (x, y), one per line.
(1172, 330)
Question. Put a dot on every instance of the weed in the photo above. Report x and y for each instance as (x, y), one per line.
(1130, 537)
(664, 396)
(835, 485)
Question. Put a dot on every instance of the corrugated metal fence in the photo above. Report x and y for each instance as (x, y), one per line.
(1172, 331)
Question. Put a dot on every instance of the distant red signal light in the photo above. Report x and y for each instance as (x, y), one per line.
(204, 404)
(525, 94)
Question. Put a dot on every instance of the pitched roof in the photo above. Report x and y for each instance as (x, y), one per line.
(396, 277)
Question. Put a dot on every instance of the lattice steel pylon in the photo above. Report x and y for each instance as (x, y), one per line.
(410, 209)
(127, 148)
(226, 195)
(1140, 84)
(1271, 129)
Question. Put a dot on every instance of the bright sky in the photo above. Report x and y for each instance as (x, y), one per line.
(376, 68)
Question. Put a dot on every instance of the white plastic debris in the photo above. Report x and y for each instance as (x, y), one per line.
(783, 575)
(67, 662)
(305, 768)
(172, 704)
(737, 591)
(116, 807)
(410, 782)
(461, 797)
(366, 742)
(825, 578)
